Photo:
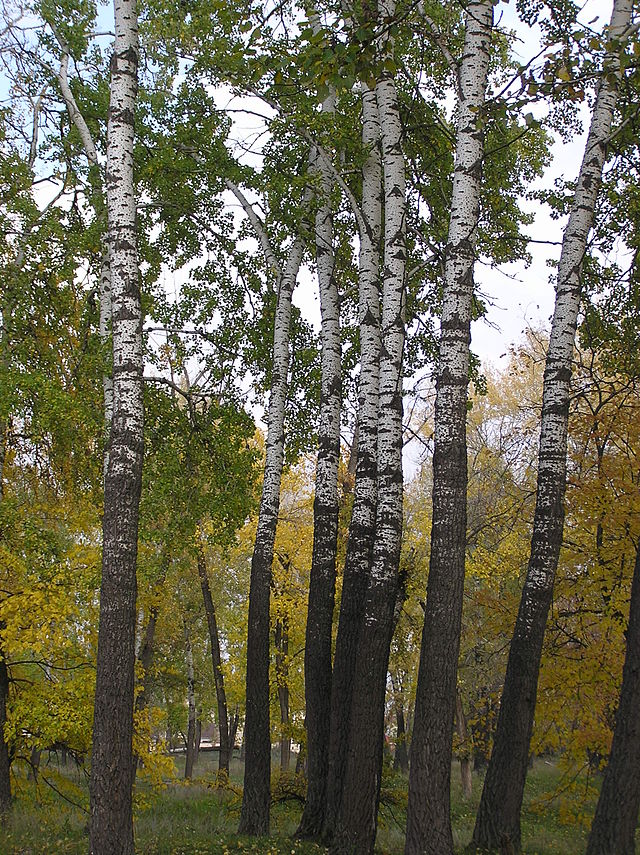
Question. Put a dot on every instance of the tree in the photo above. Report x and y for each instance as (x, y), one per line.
(616, 817)
(498, 817)
(428, 816)
(113, 768)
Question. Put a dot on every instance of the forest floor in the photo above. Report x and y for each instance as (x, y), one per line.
(199, 818)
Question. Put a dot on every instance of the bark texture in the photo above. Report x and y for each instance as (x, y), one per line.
(428, 816)
(5, 761)
(363, 516)
(616, 817)
(112, 766)
(281, 639)
(254, 818)
(317, 659)
(498, 819)
(357, 816)
(226, 743)
(191, 708)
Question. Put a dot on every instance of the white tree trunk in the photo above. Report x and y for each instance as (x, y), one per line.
(363, 516)
(428, 816)
(113, 769)
(499, 812)
(254, 817)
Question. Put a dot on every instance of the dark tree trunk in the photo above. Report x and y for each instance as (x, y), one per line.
(112, 762)
(428, 814)
(465, 749)
(198, 738)
(616, 816)
(226, 744)
(233, 730)
(498, 819)
(362, 526)
(401, 757)
(282, 676)
(355, 828)
(5, 762)
(191, 707)
(145, 658)
(256, 795)
(317, 657)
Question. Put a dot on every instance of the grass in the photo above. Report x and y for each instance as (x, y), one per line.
(200, 818)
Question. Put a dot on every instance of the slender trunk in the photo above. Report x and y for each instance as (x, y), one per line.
(5, 760)
(401, 757)
(616, 816)
(95, 182)
(356, 824)
(428, 815)
(191, 707)
(226, 744)
(254, 818)
(112, 768)
(282, 677)
(145, 658)
(198, 738)
(233, 730)
(465, 749)
(317, 659)
(498, 819)
(363, 516)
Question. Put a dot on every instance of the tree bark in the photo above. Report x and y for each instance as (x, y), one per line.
(5, 760)
(112, 767)
(401, 756)
(317, 658)
(362, 526)
(616, 816)
(465, 749)
(282, 674)
(191, 707)
(226, 744)
(428, 815)
(254, 818)
(498, 819)
(356, 823)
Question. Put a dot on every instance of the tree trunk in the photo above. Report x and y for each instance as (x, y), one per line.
(226, 744)
(145, 658)
(254, 818)
(401, 757)
(282, 675)
(465, 749)
(198, 737)
(363, 516)
(428, 814)
(112, 767)
(355, 829)
(317, 658)
(191, 707)
(616, 816)
(5, 761)
(498, 819)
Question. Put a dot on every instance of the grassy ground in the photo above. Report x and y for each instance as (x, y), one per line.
(200, 819)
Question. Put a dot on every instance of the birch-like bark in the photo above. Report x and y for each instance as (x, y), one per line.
(75, 115)
(317, 660)
(191, 707)
(498, 819)
(363, 516)
(112, 768)
(281, 641)
(616, 816)
(428, 815)
(226, 745)
(254, 818)
(357, 817)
